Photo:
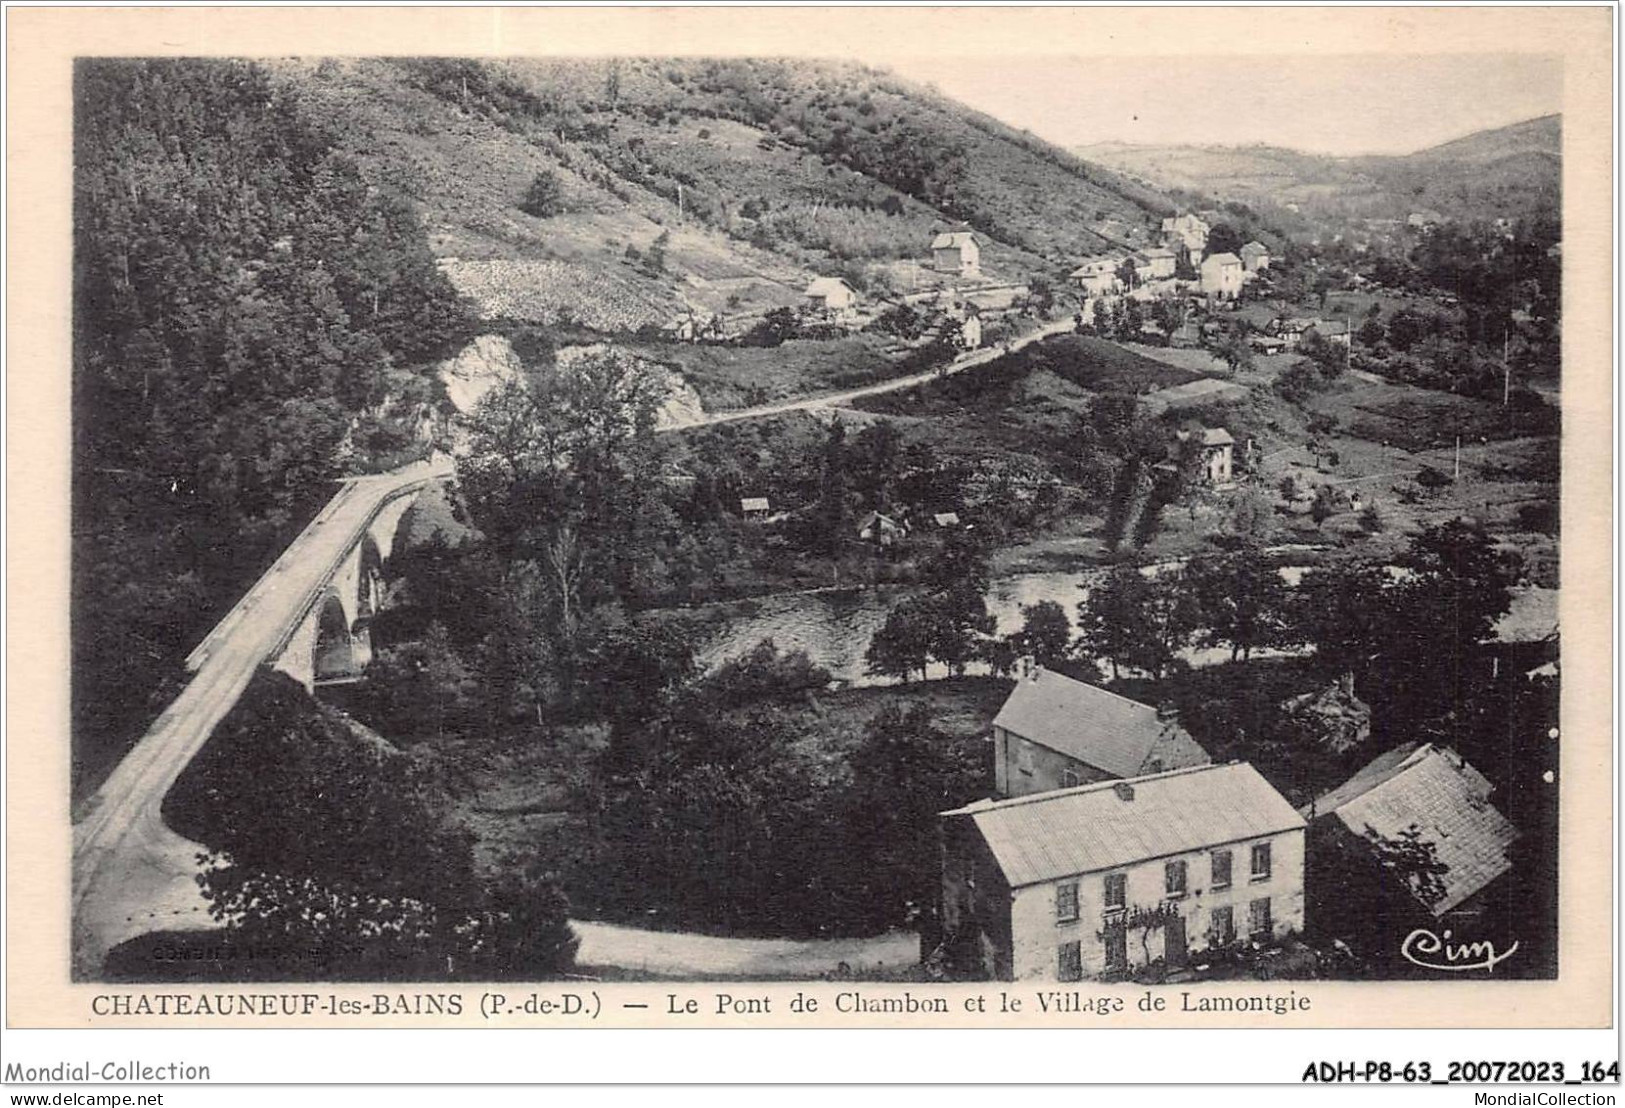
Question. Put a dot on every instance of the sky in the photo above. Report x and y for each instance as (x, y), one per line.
(1368, 104)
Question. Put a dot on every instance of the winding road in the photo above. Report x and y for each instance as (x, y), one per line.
(969, 360)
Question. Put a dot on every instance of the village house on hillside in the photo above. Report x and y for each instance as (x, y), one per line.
(1162, 262)
(831, 297)
(1426, 794)
(1333, 717)
(1097, 276)
(1098, 880)
(1187, 233)
(1218, 453)
(1054, 732)
(1255, 256)
(957, 252)
(881, 529)
(1222, 276)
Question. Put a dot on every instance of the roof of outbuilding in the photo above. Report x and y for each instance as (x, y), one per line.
(1255, 247)
(1082, 721)
(1434, 790)
(948, 239)
(1113, 823)
(1217, 436)
(827, 286)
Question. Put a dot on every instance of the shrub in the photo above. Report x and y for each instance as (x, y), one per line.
(545, 197)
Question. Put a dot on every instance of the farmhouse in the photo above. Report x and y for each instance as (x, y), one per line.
(1161, 260)
(957, 252)
(1186, 232)
(1222, 275)
(1097, 880)
(1255, 256)
(1427, 796)
(1218, 450)
(881, 529)
(1097, 276)
(831, 296)
(1054, 732)
(753, 506)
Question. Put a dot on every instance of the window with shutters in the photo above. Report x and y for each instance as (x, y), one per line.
(1259, 923)
(1221, 927)
(1066, 902)
(1069, 962)
(1116, 892)
(1221, 869)
(1173, 878)
(1261, 861)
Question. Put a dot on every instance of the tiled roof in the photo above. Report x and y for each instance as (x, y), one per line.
(1222, 259)
(1433, 790)
(1217, 436)
(1114, 823)
(1096, 727)
(952, 239)
(1254, 248)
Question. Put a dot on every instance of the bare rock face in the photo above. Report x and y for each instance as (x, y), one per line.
(1333, 717)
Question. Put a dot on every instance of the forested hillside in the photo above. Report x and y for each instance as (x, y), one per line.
(252, 318)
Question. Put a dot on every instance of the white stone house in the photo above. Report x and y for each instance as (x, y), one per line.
(1098, 880)
(831, 297)
(957, 252)
(1222, 276)
(1097, 276)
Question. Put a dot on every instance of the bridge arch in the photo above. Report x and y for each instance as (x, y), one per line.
(369, 581)
(333, 656)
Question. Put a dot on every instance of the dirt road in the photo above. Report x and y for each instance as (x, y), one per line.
(839, 399)
(704, 957)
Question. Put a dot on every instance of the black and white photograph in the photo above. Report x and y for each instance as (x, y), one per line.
(890, 519)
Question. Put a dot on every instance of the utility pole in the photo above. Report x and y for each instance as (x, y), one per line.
(679, 201)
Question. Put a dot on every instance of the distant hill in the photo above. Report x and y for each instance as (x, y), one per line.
(1510, 171)
(758, 173)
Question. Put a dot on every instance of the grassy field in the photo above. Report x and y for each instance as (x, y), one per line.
(742, 377)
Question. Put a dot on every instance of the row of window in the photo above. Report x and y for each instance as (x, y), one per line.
(1221, 932)
(1174, 879)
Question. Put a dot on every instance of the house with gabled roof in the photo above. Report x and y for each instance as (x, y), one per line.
(1054, 732)
(1255, 256)
(957, 252)
(1422, 816)
(1098, 880)
(831, 297)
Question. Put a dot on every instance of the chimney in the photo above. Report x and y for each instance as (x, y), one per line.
(1124, 790)
(1167, 713)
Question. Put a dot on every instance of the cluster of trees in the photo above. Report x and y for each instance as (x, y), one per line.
(1386, 624)
(361, 876)
(722, 814)
(948, 622)
(252, 316)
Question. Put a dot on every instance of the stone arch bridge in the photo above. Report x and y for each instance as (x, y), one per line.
(309, 616)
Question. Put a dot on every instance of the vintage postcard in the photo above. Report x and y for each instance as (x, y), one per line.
(697, 517)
